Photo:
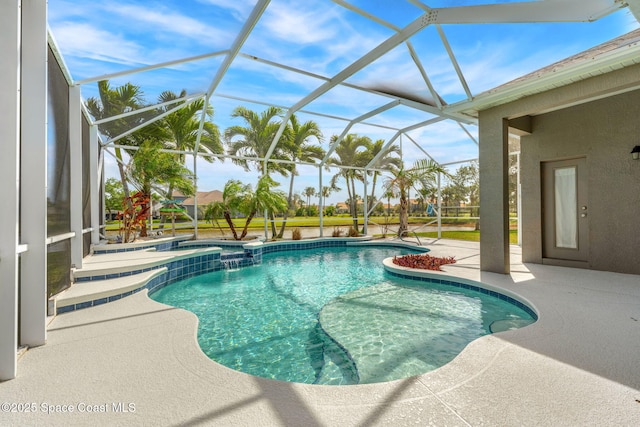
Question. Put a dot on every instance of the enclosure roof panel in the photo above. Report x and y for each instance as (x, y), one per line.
(342, 62)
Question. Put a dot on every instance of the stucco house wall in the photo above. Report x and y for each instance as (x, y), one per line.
(604, 132)
(597, 118)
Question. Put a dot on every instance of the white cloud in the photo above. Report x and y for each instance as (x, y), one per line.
(163, 20)
(300, 24)
(240, 9)
(312, 35)
(86, 41)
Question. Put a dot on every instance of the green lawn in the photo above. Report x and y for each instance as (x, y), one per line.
(343, 221)
(327, 221)
(472, 236)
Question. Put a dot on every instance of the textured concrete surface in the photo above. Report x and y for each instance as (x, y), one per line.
(138, 361)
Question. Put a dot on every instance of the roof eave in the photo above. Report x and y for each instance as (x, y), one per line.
(623, 56)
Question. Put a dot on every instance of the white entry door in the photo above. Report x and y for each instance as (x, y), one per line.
(565, 212)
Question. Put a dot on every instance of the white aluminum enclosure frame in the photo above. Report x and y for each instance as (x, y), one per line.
(546, 11)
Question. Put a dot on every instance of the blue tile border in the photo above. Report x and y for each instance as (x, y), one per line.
(139, 246)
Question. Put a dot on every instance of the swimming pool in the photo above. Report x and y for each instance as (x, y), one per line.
(333, 316)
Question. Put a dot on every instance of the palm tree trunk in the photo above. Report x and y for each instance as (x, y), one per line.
(123, 178)
(272, 218)
(145, 208)
(354, 204)
(404, 215)
(264, 171)
(373, 185)
(286, 214)
(169, 196)
(350, 196)
(227, 217)
(246, 225)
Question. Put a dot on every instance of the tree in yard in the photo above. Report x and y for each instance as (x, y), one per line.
(113, 195)
(180, 130)
(352, 151)
(403, 179)
(112, 102)
(151, 168)
(234, 197)
(325, 193)
(239, 197)
(298, 148)
(212, 212)
(254, 140)
(464, 187)
(298, 203)
(330, 210)
(389, 157)
(309, 192)
(389, 194)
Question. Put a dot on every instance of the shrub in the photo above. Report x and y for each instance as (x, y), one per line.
(353, 232)
(424, 262)
(337, 232)
(296, 234)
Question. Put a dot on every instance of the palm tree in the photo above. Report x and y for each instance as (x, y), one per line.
(403, 179)
(299, 149)
(326, 191)
(113, 102)
(239, 197)
(387, 160)
(181, 129)
(234, 196)
(298, 203)
(388, 194)
(351, 151)
(254, 140)
(212, 212)
(149, 167)
(265, 199)
(309, 192)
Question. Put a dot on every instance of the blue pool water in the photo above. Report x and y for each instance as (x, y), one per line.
(333, 316)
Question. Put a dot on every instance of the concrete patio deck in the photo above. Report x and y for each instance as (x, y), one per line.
(137, 362)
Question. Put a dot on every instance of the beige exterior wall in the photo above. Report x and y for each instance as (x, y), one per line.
(494, 201)
(604, 132)
(599, 119)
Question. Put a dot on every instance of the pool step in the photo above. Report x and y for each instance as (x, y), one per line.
(117, 265)
(89, 294)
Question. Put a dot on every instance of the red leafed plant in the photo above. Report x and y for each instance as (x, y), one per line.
(134, 216)
(424, 262)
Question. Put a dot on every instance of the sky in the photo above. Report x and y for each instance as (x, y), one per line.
(321, 37)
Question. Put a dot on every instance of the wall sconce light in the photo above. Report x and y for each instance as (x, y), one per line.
(635, 153)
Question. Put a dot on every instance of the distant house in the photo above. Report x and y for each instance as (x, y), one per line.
(414, 205)
(203, 199)
(178, 196)
(342, 208)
